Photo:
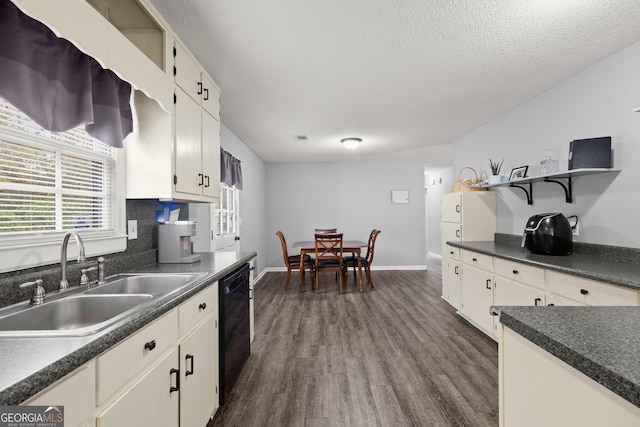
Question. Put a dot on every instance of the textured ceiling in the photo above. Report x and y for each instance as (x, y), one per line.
(407, 76)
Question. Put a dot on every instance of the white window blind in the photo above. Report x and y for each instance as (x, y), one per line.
(51, 182)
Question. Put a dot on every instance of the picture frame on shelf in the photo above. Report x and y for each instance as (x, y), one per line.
(518, 173)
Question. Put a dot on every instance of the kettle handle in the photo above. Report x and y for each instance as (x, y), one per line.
(524, 239)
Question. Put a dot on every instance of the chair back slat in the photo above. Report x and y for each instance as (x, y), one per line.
(370, 246)
(325, 230)
(328, 246)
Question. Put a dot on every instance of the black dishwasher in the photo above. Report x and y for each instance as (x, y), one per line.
(234, 328)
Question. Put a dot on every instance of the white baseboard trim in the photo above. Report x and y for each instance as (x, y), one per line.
(374, 268)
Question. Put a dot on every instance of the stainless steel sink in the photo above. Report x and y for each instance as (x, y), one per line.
(154, 284)
(71, 316)
(90, 311)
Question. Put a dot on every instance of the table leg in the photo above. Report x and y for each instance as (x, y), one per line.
(301, 270)
(360, 271)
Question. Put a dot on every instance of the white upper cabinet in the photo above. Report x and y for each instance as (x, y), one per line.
(197, 130)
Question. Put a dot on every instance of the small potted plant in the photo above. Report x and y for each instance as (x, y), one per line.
(495, 171)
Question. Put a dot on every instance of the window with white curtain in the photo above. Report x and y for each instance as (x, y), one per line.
(53, 182)
(227, 213)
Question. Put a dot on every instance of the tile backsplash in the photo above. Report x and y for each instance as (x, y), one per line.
(141, 251)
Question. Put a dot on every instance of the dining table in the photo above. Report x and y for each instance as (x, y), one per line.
(308, 247)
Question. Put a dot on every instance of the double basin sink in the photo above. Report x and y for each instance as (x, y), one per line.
(92, 310)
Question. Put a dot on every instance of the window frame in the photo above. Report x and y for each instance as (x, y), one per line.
(36, 249)
(234, 212)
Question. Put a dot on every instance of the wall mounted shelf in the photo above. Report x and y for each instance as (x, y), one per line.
(564, 179)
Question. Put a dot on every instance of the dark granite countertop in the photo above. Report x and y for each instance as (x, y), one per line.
(601, 263)
(601, 342)
(32, 364)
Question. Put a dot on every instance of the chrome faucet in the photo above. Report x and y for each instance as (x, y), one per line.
(64, 285)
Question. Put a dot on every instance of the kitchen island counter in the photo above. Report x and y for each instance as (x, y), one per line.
(603, 343)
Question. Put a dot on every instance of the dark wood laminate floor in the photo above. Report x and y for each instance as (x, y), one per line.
(396, 355)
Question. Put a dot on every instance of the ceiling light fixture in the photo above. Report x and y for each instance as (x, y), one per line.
(351, 143)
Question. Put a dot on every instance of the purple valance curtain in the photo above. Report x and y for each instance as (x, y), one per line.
(230, 170)
(55, 84)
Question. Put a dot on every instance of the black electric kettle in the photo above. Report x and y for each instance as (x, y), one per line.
(548, 234)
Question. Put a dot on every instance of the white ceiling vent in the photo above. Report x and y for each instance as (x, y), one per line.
(301, 138)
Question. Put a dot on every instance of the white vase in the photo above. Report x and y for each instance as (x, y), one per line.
(495, 179)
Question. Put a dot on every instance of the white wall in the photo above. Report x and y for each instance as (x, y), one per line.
(598, 101)
(355, 197)
(252, 197)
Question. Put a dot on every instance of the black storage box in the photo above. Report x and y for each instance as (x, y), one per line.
(590, 153)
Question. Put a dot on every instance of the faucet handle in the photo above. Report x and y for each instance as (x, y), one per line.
(38, 291)
(84, 279)
(101, 280)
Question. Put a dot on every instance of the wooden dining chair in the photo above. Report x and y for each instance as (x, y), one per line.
(352, 261)
(328, 254)
(292, 262)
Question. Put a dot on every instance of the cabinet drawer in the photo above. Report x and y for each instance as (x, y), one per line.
(589, 292)
(478, 260)
(127, 359)
(519, 272)
(453, 253)
(196, 308)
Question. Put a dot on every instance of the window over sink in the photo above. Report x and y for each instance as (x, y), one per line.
(51, 182)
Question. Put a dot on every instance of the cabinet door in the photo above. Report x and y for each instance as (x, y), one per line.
(452, 207)
(509, 292)
(478, 215)
(477, 297)
(199, 375)
(188, 144)
(150, 401)
(210, 97)
(187, 73)
(76, 392)
(210, 155)
(451, 232)
(453, 286)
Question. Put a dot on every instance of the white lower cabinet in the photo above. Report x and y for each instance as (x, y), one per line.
(477, 297)
(538, 389)
(152, 400)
